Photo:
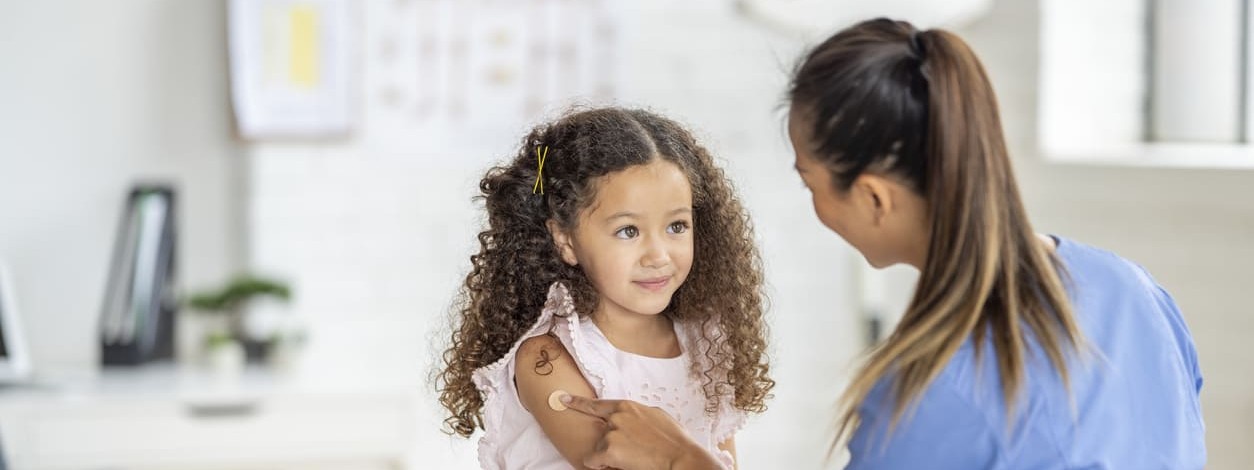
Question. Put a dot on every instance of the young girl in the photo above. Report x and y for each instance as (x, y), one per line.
(617, 263)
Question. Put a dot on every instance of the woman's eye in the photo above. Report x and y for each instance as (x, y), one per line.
(678, 227)
(627, 232)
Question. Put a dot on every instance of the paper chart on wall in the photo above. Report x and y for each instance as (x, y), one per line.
(463, 70)
(291, 68)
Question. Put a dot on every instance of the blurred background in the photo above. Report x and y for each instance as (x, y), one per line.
(233, 229)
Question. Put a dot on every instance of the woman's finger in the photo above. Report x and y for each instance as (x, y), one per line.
(591, 407)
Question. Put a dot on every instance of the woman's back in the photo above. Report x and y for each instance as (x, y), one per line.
(1133, 402)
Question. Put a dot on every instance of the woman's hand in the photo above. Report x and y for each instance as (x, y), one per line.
(640, 438)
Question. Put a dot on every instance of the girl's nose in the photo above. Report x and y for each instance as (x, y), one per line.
(655, 255)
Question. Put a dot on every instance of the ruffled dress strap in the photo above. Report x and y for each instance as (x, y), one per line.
(493, 378)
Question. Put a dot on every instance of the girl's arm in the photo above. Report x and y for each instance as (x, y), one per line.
(730, 446)
(541, 367)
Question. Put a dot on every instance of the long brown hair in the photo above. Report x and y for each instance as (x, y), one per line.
(884, 97)
(517, 261)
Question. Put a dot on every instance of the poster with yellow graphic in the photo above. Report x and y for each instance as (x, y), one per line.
(292, 73)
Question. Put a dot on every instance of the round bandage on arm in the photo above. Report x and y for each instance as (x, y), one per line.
(555, 400)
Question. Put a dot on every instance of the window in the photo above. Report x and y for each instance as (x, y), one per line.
(1153, 82)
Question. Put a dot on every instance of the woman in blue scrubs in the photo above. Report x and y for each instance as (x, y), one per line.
(1017, 350)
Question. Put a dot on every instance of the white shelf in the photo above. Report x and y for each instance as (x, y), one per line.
(171, 418)
(1158, 155)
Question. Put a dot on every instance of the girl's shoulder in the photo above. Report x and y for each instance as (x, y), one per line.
(558, 324)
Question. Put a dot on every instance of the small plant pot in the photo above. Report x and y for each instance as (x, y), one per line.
(225, 358)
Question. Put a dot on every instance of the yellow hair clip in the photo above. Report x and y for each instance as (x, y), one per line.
(540, 169)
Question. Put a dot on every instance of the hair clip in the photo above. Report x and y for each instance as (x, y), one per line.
(540, 169)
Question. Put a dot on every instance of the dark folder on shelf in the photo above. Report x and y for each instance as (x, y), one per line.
(137, 318)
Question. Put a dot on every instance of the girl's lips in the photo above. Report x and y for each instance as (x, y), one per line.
(654, 284)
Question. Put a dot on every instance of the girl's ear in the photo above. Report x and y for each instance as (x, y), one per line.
(563, 243)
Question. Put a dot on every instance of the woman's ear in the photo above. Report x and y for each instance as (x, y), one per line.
(875, 194)
(562, 241)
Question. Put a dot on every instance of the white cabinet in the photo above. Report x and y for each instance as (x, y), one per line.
(164, 419)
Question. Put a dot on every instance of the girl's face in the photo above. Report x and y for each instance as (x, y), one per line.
(634, 242)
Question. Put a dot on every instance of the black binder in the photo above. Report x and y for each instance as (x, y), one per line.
(137, 318)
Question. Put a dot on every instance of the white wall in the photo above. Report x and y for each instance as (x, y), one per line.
(1192, 229)
(94, 96)
(379, 238)
(377, 230)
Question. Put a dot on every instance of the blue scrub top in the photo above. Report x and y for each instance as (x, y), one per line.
(1135, 401)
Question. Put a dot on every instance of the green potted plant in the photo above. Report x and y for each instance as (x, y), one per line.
(226, 307)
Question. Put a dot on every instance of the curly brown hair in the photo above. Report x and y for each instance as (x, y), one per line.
(506, 288)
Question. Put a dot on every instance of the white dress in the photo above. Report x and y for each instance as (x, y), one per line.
(513, 438)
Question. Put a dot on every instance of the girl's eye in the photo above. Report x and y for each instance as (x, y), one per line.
(627, 232)
(678, 227)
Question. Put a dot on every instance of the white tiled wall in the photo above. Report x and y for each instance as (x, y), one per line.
(376, 232)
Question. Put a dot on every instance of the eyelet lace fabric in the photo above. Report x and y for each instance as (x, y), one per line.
(513, 439)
